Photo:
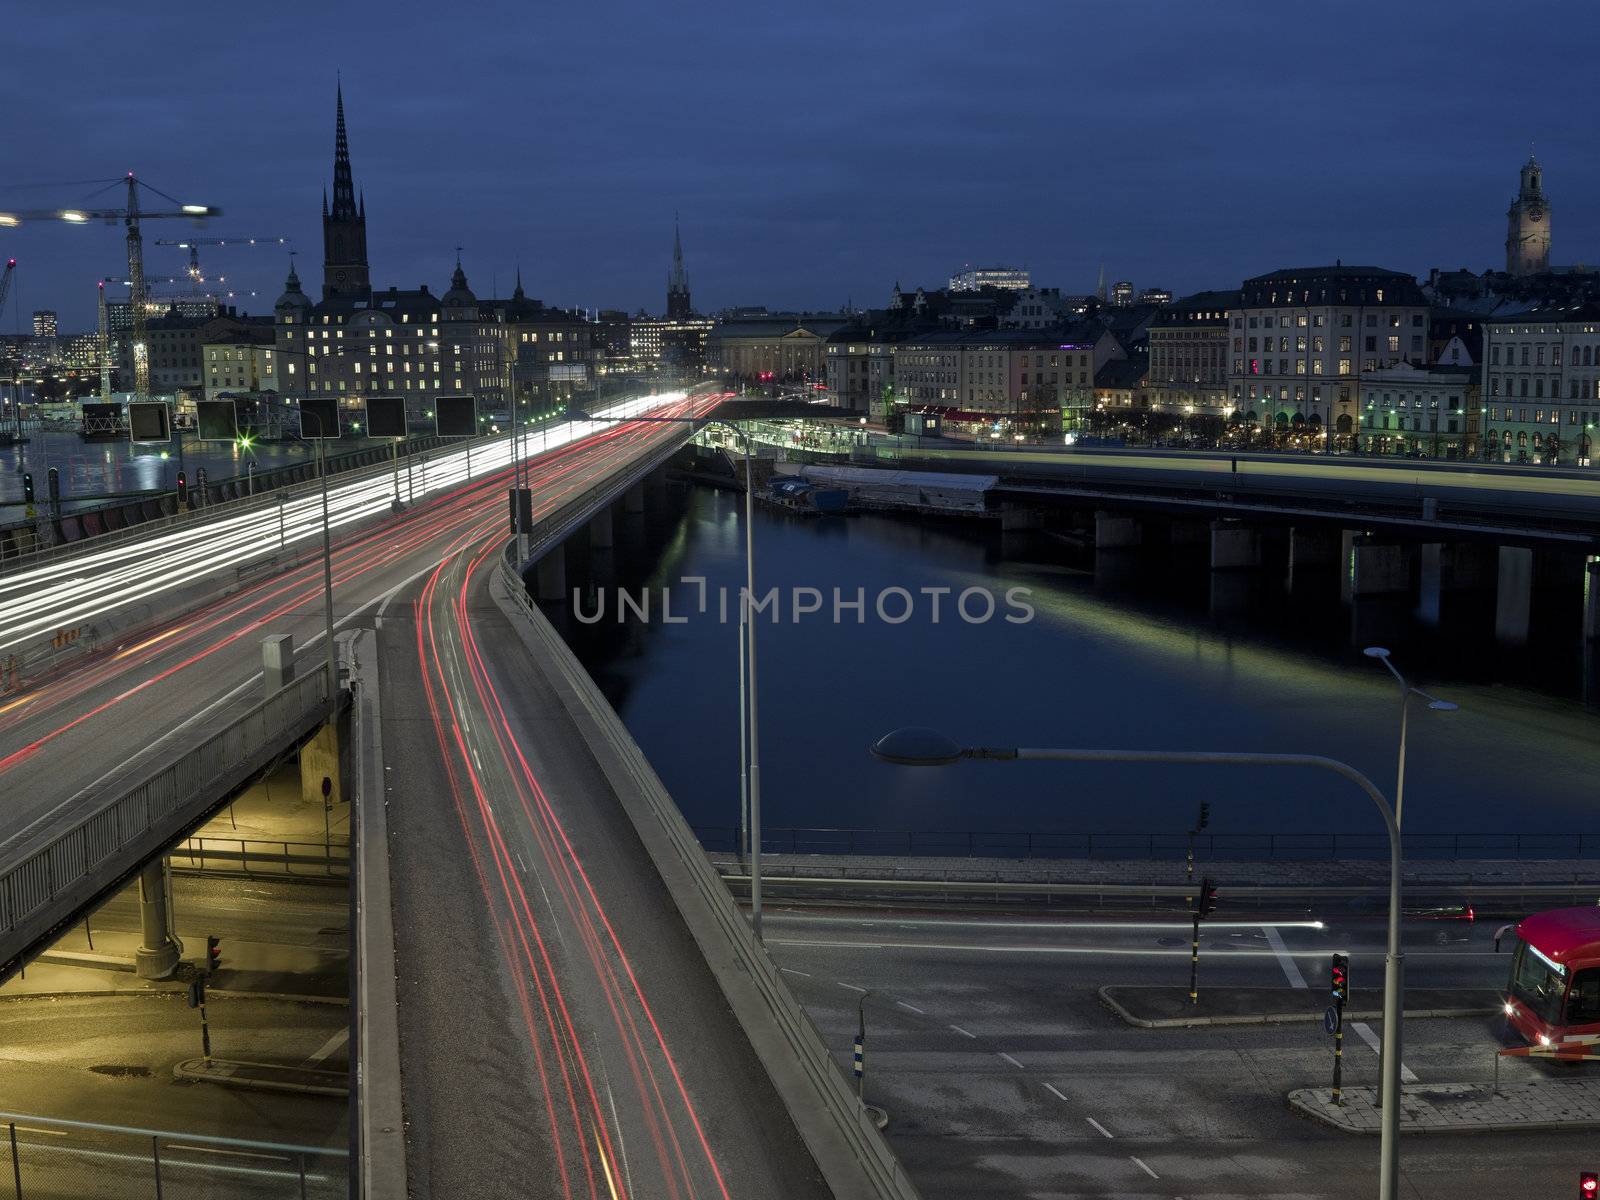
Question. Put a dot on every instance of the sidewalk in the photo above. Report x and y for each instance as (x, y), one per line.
(1169, 1007)
(272, 811)
(1462, 1107)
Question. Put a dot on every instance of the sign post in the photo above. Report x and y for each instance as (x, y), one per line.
(1207, 905)
(1333, 1019)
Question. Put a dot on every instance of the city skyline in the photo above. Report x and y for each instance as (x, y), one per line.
(844, 194)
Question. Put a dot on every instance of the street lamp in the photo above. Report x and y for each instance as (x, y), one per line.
(918, 747)
(327, 562)
(1406, 692)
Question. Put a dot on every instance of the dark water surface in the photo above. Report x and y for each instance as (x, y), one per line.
(1157, 660)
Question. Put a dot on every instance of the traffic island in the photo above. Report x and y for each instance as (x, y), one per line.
(1543, 1104)
(264, 1077)
(1170, 1008)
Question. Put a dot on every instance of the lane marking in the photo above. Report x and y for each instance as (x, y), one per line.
(329, 1046)
(1011, 1060)
(964, 1033)
(1365, 1033)
(851, 986)
(1051, 1088)
(1100, 1127)
(792, 971)
(1275, 940)
(1145, 1167)
(910, 1008)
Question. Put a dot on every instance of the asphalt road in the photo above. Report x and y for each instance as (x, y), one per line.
(560, 1032)
(1005, 1076)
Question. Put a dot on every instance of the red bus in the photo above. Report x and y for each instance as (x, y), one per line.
(1554, 990)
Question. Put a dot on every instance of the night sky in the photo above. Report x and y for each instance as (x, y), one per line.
(818, 152)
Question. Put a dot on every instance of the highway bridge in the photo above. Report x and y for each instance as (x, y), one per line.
(577, 1007)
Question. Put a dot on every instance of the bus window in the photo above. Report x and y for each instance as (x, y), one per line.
(1583, 1004)
(1538, 983)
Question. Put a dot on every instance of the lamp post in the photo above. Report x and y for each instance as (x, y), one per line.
(327, 560)
(916, 747)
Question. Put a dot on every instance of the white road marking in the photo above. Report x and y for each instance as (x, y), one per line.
(1118, 951)
(339, 1038)
(910, 1007)
(1365, 1033)
(1051, 1088)
(964, 1033)
(851, 986)
(1275, 940)
(1011, 1060)
(521, 866)
(1099, 1126)
(1145, 1167)
(792, 971)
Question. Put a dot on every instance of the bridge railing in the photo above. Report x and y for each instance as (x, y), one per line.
(42, 1158)
(47, 884)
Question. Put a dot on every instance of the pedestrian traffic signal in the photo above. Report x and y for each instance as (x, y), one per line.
(1339, 978)
(1588, 1185)
(183, 490)
(27, 487)
(53, 483)
(1208, 897)
(213, 952)
(195, 996)
(1205, 817)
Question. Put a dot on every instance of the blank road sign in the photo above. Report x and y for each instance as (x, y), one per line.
(149, 421)
(319, 417)
(458, 416)
(216, 421)
(386, 416)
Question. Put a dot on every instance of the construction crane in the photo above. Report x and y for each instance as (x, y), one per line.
(103, 348)
(130, 215)
(192, 245)
(16, 396)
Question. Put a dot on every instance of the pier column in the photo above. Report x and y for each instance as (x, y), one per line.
(277, 662)
(157, 955)
(1430, 582)
(319, 760)
(1591, 600)
(1234, 545)
(1113, 532)
(1377, 569)
(633, 499)
(1311, 548)
(1347, 564)
(1513, 601)
(602, 530)
(551, 584)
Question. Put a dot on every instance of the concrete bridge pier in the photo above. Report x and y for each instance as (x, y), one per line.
(158, 952)
(319, 768)
(550, 576)
(1591, 600)
(602, 530)
(1430, 583)
(1513, 600)
(1375, 569)
(633, 499)
(1234, 546)
(1115, 532)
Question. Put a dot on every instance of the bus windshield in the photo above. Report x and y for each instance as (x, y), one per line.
(1538, 983)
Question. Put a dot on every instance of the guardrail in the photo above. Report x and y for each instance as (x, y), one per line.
(259, 856)
(45, 1158)
(47, 885)
(825, 1084)
(1265, 847)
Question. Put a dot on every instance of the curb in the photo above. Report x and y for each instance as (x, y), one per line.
(222, 1071)
(175, 993)
(1314, 1112)
(1274, 1018)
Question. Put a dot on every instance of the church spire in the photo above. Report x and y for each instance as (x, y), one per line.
(344, 221)
(678, 305)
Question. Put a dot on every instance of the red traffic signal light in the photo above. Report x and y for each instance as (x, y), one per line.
(183, 489)
(1208, 897)
(213, 952)
(1588, 1185)
(1339, 977)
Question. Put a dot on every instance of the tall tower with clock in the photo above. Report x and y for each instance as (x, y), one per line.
(344, 226)
(1528, 225)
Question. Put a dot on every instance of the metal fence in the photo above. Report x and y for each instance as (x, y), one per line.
(115, 835)
(43, 1158)
(1248, 847)
(256, 856)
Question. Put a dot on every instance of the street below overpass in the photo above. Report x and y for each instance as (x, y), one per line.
(1005, 1075)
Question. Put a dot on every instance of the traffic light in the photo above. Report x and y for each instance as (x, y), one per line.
(1339, 978)
(1205, 817)
(1208, 897)
(27, 487)
(183, 490)
(1588, 1185)
(195, 996)
(213, 952)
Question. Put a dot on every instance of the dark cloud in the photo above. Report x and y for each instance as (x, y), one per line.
(816, 151)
